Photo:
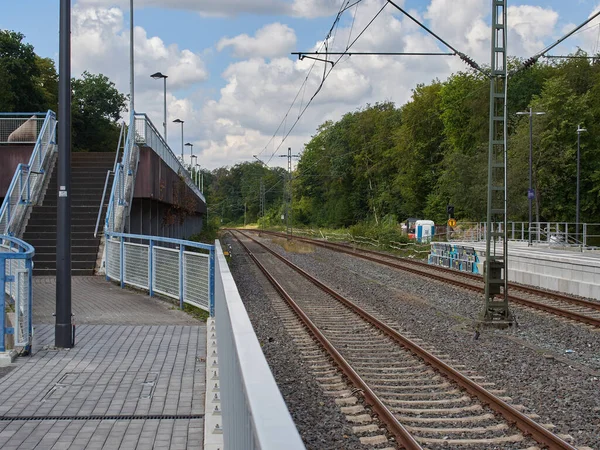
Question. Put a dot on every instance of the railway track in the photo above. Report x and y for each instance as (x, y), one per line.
(576, 309)
(422, 400)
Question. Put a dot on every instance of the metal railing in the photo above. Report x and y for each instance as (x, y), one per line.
(20, 128)
(552, 233)
(171, 267)
(121, 194)
(15, 282)
(147, 134)
(254, 413)
(108, 174)
(27, 182)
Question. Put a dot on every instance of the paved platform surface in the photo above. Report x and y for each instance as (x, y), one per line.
(135, 379)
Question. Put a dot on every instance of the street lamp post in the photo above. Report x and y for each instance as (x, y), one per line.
(191, 146)
(181, 122)
(158, 76)
(530, 192)
(193, 163)
(198, 177)
(579, 131)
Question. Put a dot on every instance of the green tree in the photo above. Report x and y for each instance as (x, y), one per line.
(96, 107)
(21, 89)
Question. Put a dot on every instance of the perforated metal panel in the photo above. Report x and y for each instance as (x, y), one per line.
(166, 271)
(17, 294)
(135, 269)
(196, 279)
(113, 260)
(22, 334)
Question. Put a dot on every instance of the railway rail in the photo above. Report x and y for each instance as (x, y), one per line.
(573, 308)
(420, 398)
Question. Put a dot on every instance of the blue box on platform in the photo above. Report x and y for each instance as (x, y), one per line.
(457, 257)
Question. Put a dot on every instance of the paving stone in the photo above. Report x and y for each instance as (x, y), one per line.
(128, 346)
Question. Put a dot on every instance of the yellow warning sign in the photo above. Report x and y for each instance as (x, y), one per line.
(451, 222)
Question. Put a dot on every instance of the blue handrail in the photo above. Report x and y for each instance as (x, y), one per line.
(35, 165)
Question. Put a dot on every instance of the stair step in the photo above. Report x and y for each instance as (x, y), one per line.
(43, 249)
(45, 221)
(52, 272)
(74, 264)
(79, 257)
(76, 209)
(51, 242)
(51, 228)
(32, 236)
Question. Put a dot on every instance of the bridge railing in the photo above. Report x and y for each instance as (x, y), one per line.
(254, 413)
(178, 269)
(28, 179)
(15, 284)
(20, 128)
(147, 134)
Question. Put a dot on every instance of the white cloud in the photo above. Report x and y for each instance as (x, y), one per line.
(269, 41)
(529, 26)
(298, 8)
(100, 44)
(239, 121)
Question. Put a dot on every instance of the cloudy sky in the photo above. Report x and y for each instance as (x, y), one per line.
(232, 78)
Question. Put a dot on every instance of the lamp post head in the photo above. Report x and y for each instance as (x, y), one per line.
(540, 113)
(178, 121)
(158, 76)
(189, 145)
(581, 130)
(523, 113)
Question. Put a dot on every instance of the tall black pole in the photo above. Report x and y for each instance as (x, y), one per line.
(529, 196)
(577, 200)
(63, 329)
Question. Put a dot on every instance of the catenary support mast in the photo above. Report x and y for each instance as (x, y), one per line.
(496, 283)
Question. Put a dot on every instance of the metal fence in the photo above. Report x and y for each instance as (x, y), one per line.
(147, 134)
(28, 180)
(552, 233)
(253, 410)
(15, 282)
(171, 267)
(20, 128)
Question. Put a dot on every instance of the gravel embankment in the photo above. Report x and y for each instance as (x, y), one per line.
(532, 363)
(317, 417)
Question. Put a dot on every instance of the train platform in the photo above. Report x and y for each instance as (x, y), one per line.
(134, 380)
(559, 269)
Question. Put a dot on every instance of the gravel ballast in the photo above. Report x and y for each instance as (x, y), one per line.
(318, 419)
(549, 365)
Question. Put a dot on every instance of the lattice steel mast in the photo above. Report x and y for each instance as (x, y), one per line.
(496, 282)
(289, 195)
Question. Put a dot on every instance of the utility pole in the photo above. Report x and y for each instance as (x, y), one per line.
(289, 194)
(63, 331)
(530, 191)
(579, 131)
(496, 267)
(262, 198)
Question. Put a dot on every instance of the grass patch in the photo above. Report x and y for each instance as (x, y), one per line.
(196, 312)
(293, 246)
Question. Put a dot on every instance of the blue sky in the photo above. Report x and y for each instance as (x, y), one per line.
(191, 30)
(233, 104)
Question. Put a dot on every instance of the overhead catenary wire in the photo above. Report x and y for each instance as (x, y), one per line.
(344, 6)
(324, 78)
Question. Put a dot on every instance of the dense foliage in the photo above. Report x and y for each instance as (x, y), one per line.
(29, 83)
(381, 164)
